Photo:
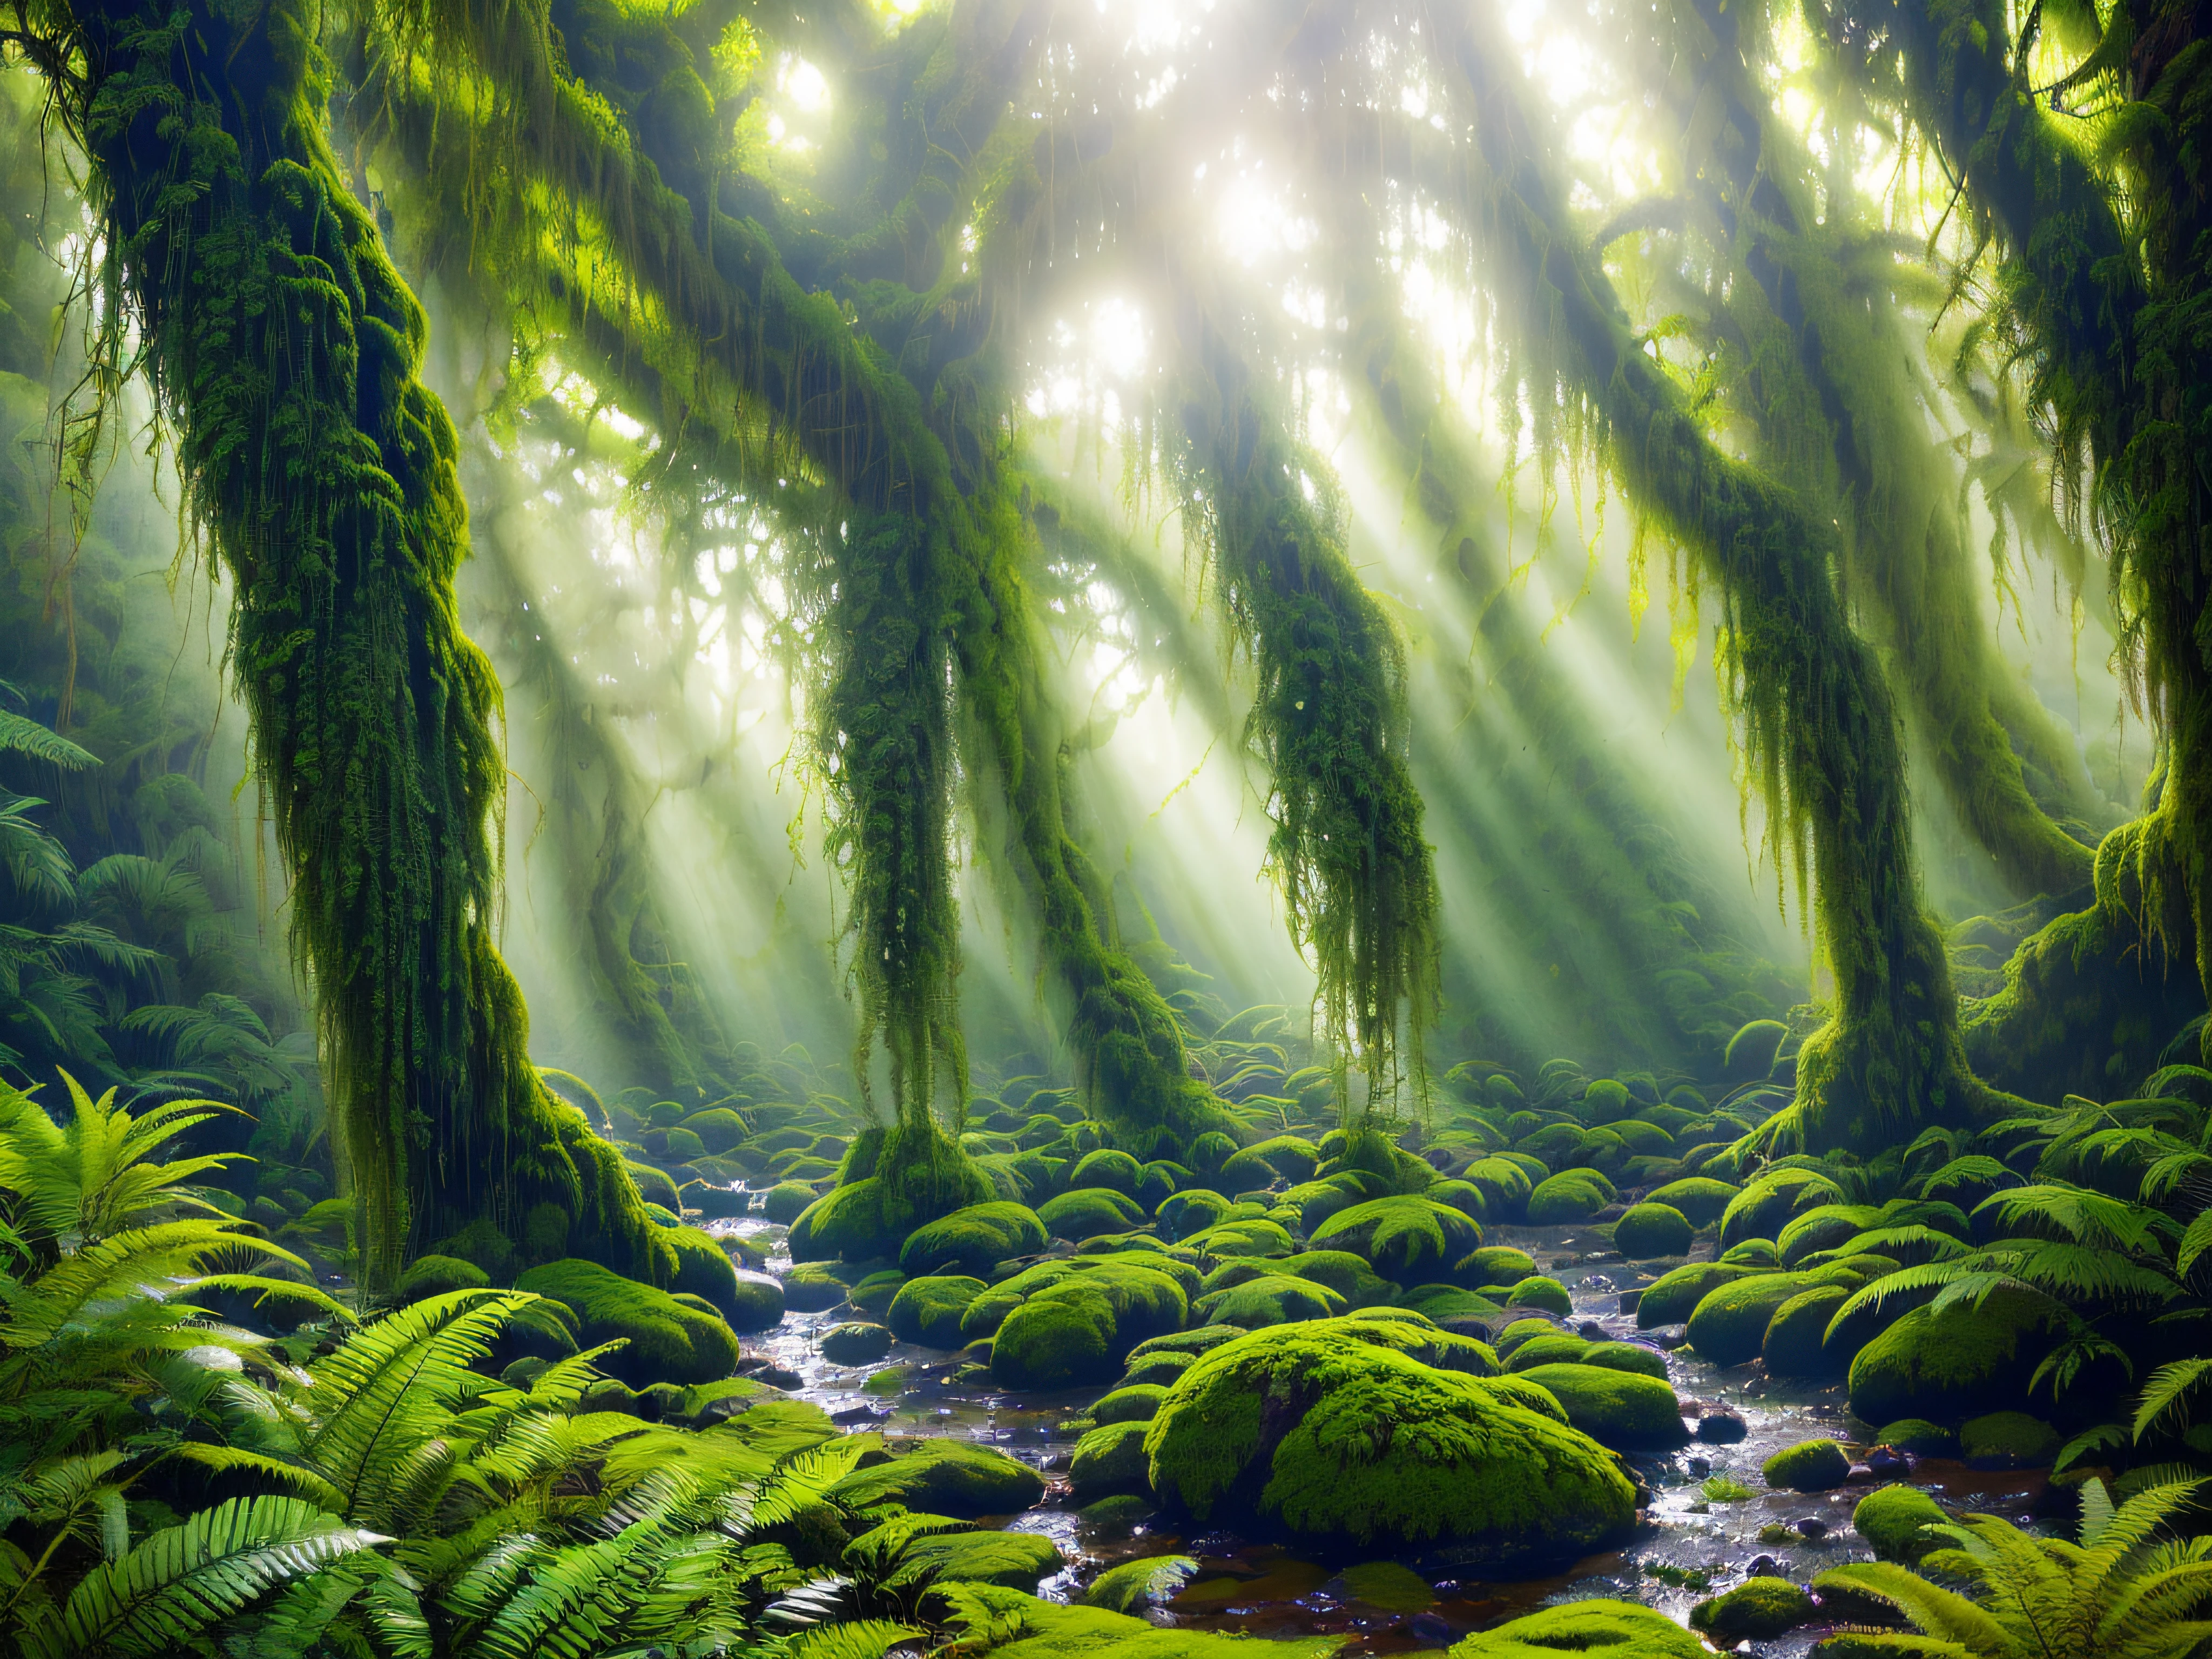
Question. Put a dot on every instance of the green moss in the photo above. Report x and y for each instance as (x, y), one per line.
(1245, 1236)
(1627, 1356)
(1116, 1171)
(1079, 1328)
(1890, 1519)
(1446, 1301)
(1277, 1430)
(1109, 1461)
(1539, 1292)
(1504, 1185)
(1620, 1629)
(1701, 1198)
(1729, 1325)
(972, 1241)
(1270, 1299)
(1136, 1402)
(1650, 1230)
(1550, 1347)
(1147, 1581)
(856, 1343)
(1757, 1610)
(1919, 1436)
(1291, 1156)
(1044, 1630)
(667, 1340)
(1824, 1227)
(2008, 1440)
(1493, 1264)
(787, 1201)
(1405, 1239)
(927, 1311)
(811, 1287)
(1161, 1367)
(1016, 1560)
(1088, 1212)
(1970, 1359)
(1566, 1200)
(1625, 1410)
(1184, 1213)
(1808, 1466)
(871, 1294)
(944, 1475)
(1796, 1341)
(1768, 1204)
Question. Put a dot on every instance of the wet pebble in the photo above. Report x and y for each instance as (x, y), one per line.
(1722, 1428)
(1590, 1330)
(1668, 1336)
(1887, 1463)
(1810, 1527)
(1428, 1627)
(1697, 1468)
(1763, 1566)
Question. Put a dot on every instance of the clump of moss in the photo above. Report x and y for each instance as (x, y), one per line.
(1796, 1341)
(1539, 1292)
(1625, 1410)
(1650, 1230)
(856, 1343)
(1808, 1466)
(1493, 1267)
(1270, 1299)
(1135, 1402)
(1971, 1357)
(946, 1476)
(1757, 1610)
(1919, 1436)
(1077, 1326)
(787, 1201)
(1621, 1628)
(666, 1340)
(1768, 1204)
(1571, 1197)
(434, 1276)
(927, 1311)
(1088, 1212)
(972, 1241)
(1636, 1356)
(2008, 1440)
(1110, 1461)
(1890, 1519)
(1276, 1430)
(1405, 1239)
(1701, 1199)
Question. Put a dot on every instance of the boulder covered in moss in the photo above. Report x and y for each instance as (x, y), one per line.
(1891, 1519)
(1618, 1630)
(856, 1343)
(1541, 1291)
(1548, 1347)
(1405, 1239)
(1969, 1359)
(945, 1475)
(812, 1287)
(1650, 1230)
(435, 1275)
(1771, 1201)
(1075, 1326)
(666, 1340)
(1757, 1610)
(1569, 1198)
(1701, 1199)
(787, 1201)
(1110, 1459)
(756, 1301)
(1498, 1266)
(1015, 1561)
(1624, 1410)
(1327, 1434)
(1673, 1297)
(1796, 1342)
(1135, 1402)
(1808, 1466)
(1729, 1325)
(1640, 1357)
(1191, 1210)
(1919, 1436)
(1268, 1299)
(1086, 1212)
(927, 1310)
(2008, 1440)
(972, 1241)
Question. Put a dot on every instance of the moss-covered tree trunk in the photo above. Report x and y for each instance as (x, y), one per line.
(283, 351)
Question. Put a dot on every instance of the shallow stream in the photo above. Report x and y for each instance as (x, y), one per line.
(1688, 1548)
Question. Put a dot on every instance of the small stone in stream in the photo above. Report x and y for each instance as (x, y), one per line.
(1629, 1299)
(1722, 1428)
(1611, 1212)
(1698, 1468)
(858, 1414)
(778, 1376)
(1668, 1336)
(1763, 1566)
(1888, 1464)
(1861, 1475)
(1590, 1331)
(1810, 1528)
(1428, 1627)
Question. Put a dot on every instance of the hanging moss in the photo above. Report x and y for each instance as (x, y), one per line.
(283, 348)
(1328, 720)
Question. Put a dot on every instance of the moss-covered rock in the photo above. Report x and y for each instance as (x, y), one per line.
(787, 1201)
(1808, 1466)
(1617, 1630)
(2008, 1440)
(972, 1241)
(1968, 1360)
(1729, 1325)
(1016, 1560)
(1162, 1368)
(944, 1475)
(1890, 1519)
(1462, 1195)
(1539, 1291)
(1568, 1199)
(1150, 1581)
(1350, 1276)
(1050, 1631)
(1636, 1356)
(1442, 1303)
(1085, 1211)
(1768, 1204)
(756, 1301)
(872, 1293)
(812, 1287)
(667, 1340)
(1498, 1266)
(1650, 1230)
(1625, 1410)
(1796, 1341)
(928, 1310)
(1757, 1610)
(1291, 1156)
(1109, 1460)
(1406, 1240)
(1550, 1347)
(856, 1343)
(1136, 1402)
(1758, 1253)
(1078, 1329)
(1919, 1436)
(1702, 1200)
(703, 1269)
(1823, 1227)
(1242, 1235)
(1189, 1212)
(1269, 1299)
(1277, 1432)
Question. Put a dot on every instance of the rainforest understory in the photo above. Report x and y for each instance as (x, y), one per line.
(996, 827)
